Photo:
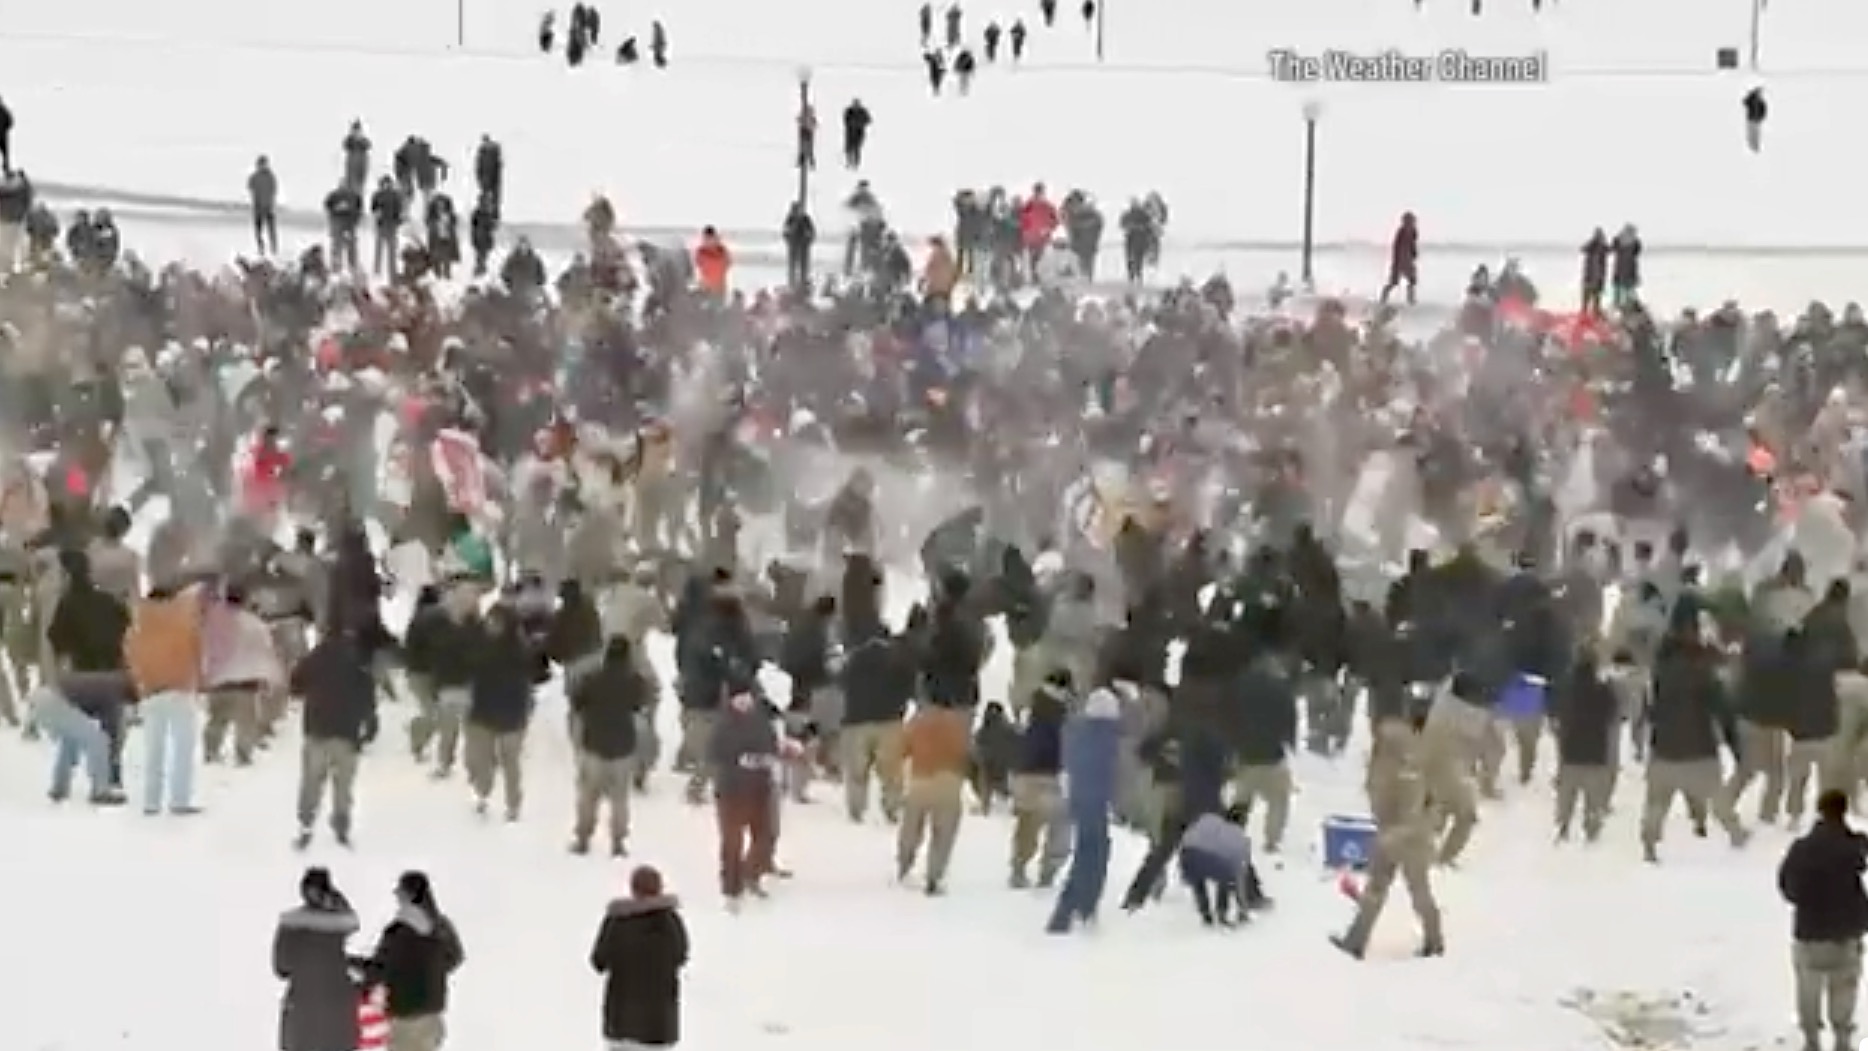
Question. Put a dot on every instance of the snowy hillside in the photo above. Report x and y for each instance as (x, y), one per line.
(133, 934)
(175, 102)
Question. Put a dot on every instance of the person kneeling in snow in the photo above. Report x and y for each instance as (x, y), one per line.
(1216, 863)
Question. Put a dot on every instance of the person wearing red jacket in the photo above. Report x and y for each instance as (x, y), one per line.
(264, 485)
(1037, 221)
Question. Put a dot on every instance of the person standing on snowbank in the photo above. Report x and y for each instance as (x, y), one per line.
(416, 955)
(319, 1009)
(641, 949)
(1092, 739)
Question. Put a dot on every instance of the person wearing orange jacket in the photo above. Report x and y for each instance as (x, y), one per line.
(712, 262)
(940, 273)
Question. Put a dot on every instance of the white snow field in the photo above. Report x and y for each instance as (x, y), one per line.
(139, 934)
(161, 108)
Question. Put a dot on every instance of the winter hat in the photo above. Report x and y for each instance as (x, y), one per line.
(1102, 704)
(645, 882)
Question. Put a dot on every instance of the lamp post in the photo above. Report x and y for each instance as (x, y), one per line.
(1312, 111)
(1102, 26)
(460, 25)
(807, 135)
(1757, 19)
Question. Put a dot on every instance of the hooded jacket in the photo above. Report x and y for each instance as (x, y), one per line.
(640, 950)
(414, 959)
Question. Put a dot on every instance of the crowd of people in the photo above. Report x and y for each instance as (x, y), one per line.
(1631, 537)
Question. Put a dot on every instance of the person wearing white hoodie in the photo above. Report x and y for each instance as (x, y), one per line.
(238, 662)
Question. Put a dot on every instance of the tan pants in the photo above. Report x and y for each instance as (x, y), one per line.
(426, 1033)
(1845, 759)
(489, 753)
(325, 761)
(600, 781)
(1592, 785)
(1698, 783)
(450, 714)
(1451, 740)
(1040, 827)
(1761, 753)
(1524, 735)
(1411, 858)
(1271, 785)
(1803, 759)
(867, 748)
(235, 707)
(12, 239)
(1829, 977)
(931, 811)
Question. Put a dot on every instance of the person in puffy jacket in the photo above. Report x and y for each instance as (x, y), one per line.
(163, 653)
(1216, 863)
(318, 1011)
(415, 957)
(640, 950)
(1092, 739)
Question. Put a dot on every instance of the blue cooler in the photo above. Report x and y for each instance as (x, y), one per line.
(1524, 697)
(1348, 842)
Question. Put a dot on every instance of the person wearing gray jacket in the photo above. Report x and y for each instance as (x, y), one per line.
(319, 1009)
(744, 753)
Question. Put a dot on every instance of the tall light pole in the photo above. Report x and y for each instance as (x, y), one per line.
(807, 126)
(1102, 26)
(1757, 20)
(460, 25)
(1312, 111)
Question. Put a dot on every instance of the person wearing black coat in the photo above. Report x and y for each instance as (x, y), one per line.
(1691, 715)
(1264, 737)
(641, 949)
(1040, 822)
(335, 685)
(499, 711)
(878, 677)
(1585, 710)
(1812, 718)
(422, 645)
(452, 647)
(605, 704)
(416, 955)
(1821, 878)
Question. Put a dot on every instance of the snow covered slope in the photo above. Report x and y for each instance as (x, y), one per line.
(1182, 107)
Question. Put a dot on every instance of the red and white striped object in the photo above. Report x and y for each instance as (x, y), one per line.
(372, 1023)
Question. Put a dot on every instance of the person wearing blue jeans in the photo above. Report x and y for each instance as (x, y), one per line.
(170, 720)
(1092, 740)
(75, 736)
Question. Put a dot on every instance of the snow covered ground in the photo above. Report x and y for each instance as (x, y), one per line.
(167, 105)
(137, 934)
